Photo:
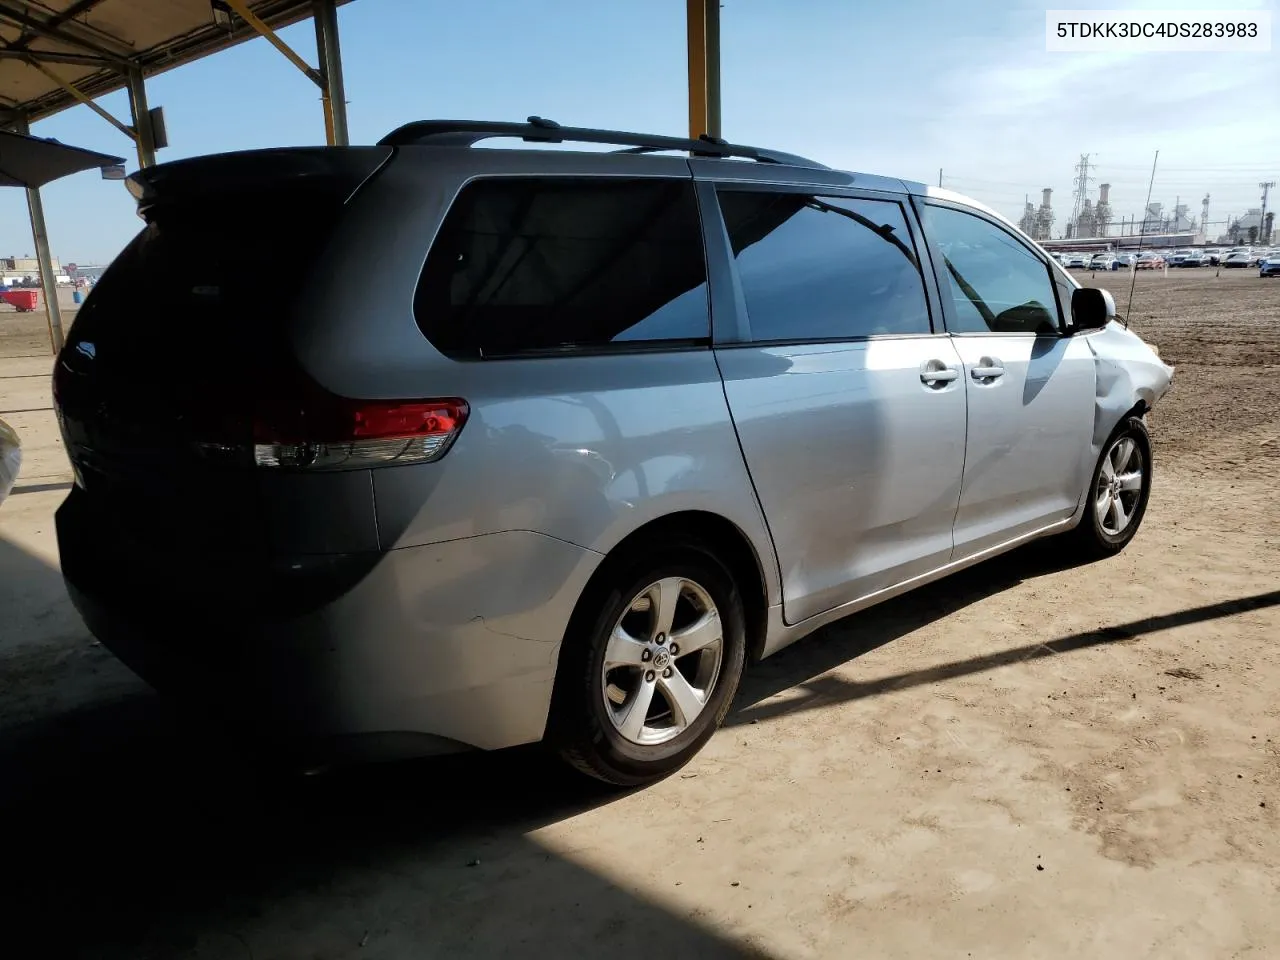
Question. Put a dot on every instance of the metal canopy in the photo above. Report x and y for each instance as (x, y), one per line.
(93, 43)
(33, 162)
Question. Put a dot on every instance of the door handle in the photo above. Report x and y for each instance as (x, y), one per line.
(936, 373)
(988, 368)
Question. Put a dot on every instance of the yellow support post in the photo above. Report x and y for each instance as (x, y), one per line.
(703, 26)
(145, 136)
(697, 40)
(333, 91)
(327, 105)
(40, 235)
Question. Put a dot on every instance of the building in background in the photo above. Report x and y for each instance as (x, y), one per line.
(1043, 225)
(20, 270)
(1102, 215)
(1246, 229)
(1027, 222)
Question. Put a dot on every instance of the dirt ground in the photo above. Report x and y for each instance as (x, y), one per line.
(1020, 761)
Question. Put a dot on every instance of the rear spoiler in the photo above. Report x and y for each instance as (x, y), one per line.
(343, 169)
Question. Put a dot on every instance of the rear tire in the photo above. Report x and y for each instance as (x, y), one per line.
(1119, 489)
(626, 710)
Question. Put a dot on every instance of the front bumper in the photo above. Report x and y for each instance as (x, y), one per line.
(359, 656)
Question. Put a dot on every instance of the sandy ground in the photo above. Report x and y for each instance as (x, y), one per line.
(1021, 761)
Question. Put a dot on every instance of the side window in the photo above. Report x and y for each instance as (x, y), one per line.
(538, 265)
(824, 268)
(996, 283)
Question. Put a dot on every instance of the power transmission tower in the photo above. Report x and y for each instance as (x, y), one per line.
(1081, 194)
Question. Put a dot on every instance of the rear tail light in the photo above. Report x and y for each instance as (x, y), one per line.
(293, 423)
(354, 434)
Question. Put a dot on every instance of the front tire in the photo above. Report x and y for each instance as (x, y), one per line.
(629, 709)
(1118, 492)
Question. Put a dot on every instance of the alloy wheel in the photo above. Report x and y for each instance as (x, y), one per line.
(1119, 488)
(662, 661)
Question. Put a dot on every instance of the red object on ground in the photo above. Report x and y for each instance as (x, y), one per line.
(24, 300)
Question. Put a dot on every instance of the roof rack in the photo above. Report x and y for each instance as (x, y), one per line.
(465, 133)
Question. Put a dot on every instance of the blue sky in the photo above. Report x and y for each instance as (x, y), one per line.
(898, 88)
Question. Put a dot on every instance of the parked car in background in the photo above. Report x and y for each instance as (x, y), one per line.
(1077, 261)
(1240, 258)
(494, 471)
(1192, 258)
(1149, 261)
(1103, 261)
(1125, 259)
(1213, 257)
(1270, 267)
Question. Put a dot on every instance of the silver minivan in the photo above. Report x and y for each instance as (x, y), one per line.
(395, 450)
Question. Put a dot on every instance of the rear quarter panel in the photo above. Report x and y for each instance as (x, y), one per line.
(585, 449)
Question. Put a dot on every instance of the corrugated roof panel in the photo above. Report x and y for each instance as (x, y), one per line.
(85, 42)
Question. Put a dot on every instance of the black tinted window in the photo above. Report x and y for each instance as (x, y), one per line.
(532, 265)
(194, 299)
(995, 283)
(824, 268)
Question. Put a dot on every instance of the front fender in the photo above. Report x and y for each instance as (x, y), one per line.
(1130, 375)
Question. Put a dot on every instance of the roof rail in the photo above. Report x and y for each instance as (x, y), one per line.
(465, 133)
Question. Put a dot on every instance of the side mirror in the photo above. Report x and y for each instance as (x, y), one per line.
(1091, 309)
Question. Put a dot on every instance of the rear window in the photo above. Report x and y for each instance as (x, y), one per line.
(526, 266)
(208, 283)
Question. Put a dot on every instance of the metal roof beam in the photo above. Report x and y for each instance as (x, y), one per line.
(72, 89)
(62, 35)
(14, 52)
(198, 38)
(273, 38)
(77, 9)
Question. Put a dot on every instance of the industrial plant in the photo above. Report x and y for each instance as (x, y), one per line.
(1092, 222)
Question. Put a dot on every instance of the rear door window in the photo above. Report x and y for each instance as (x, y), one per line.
(526, 266)
(824, 268)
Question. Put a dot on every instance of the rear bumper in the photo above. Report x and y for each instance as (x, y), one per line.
(405, 652)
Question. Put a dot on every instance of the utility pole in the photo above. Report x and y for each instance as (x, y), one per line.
(1266, 186)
